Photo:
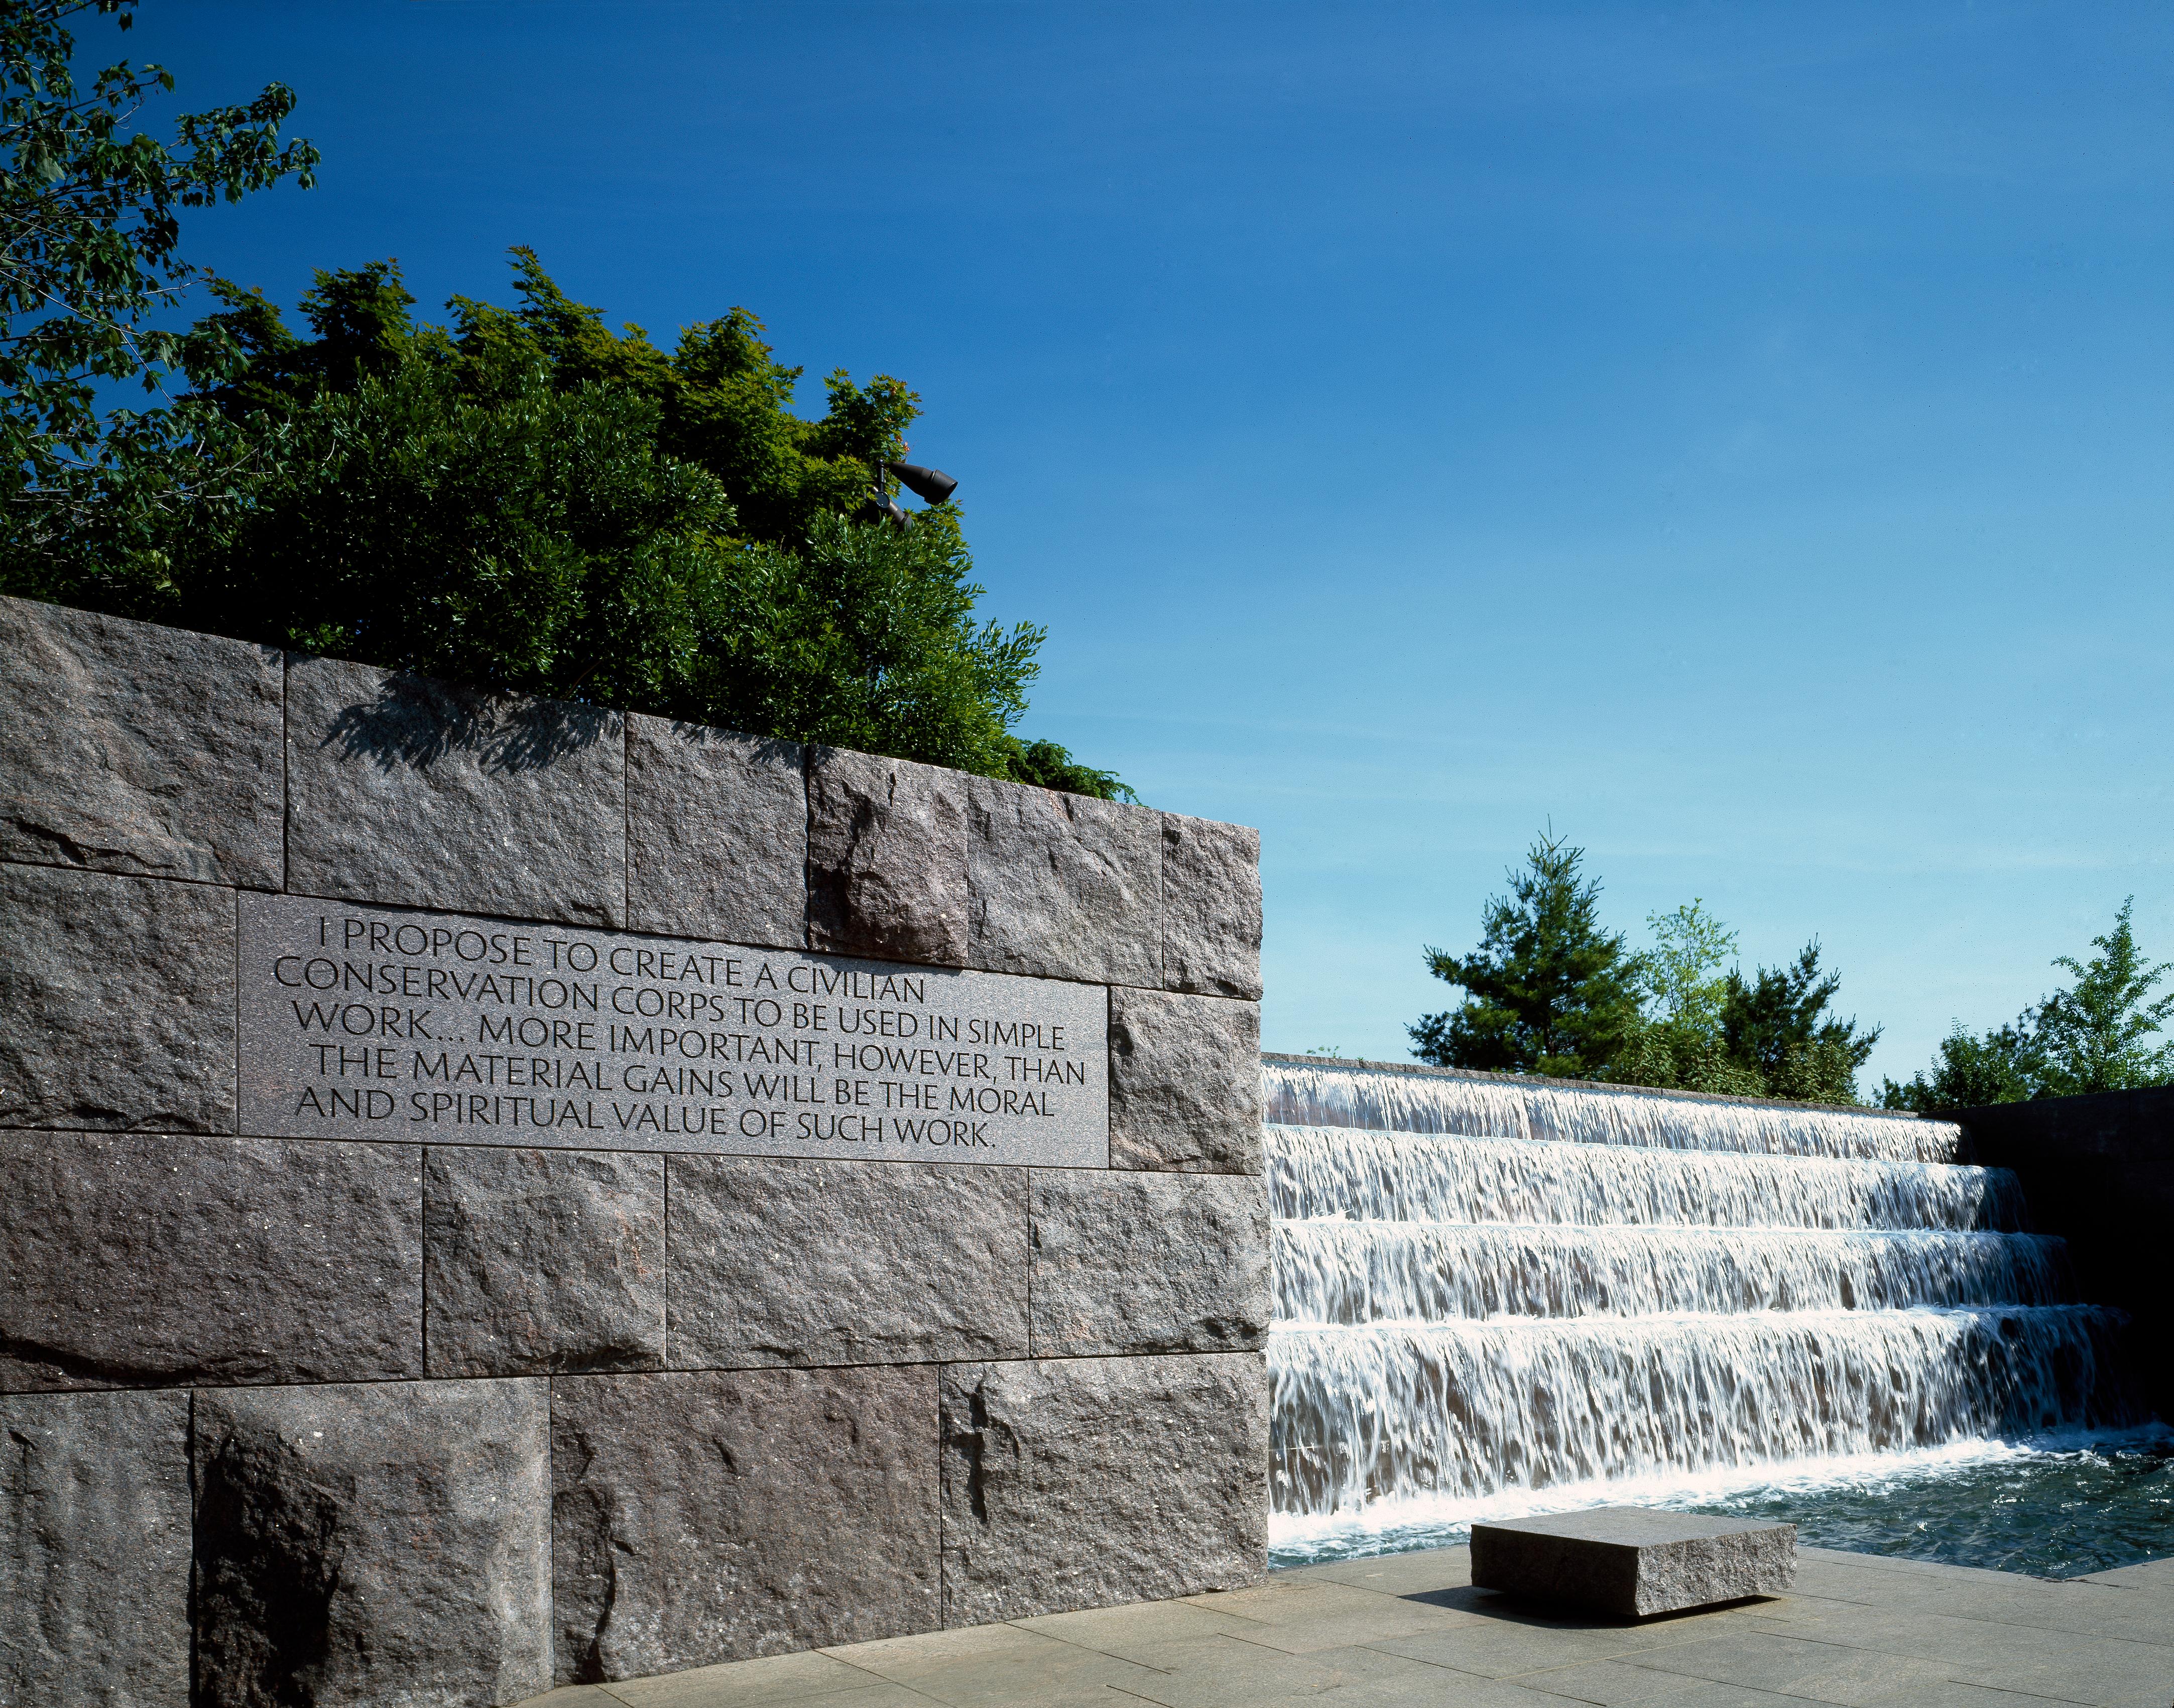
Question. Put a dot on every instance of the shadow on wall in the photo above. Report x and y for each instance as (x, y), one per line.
(414, 722)
(2100, 1171)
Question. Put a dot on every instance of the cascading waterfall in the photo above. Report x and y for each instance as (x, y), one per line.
(1485, 1286)
(1384, 1098)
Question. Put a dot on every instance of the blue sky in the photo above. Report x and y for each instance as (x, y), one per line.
(1736, 434)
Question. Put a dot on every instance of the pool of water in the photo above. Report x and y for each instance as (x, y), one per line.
(2055, 1507)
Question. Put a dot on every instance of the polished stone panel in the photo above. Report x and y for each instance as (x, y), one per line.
(454, 1028)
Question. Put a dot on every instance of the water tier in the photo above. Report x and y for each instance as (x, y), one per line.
(1400, 1100)
(1315, 1172)
(1526, 1286)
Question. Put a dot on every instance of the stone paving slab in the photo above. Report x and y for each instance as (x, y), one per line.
(1858, 1631)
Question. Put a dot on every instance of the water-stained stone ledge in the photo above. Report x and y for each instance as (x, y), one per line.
(1630, 1562)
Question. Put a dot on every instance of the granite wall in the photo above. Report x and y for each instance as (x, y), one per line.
(2100, 1171)
(387, 1417)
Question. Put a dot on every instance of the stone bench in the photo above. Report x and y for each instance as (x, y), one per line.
(1631, 1562)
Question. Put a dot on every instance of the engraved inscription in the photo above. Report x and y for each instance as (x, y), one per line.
(380, 1022)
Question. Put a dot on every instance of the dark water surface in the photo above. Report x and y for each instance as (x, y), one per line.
(2051, 1508)
(2052, 1513)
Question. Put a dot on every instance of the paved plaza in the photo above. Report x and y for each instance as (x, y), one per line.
(1860, 1629)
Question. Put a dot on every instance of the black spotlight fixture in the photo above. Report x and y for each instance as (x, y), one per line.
(931, 485)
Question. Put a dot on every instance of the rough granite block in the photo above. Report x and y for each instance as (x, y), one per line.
(539, 1261)
(1082, 1483)
(1127, 1262)
(716, 835)
(1063, 886)
(139, 1262)
(722, 1515)
(1211, 907)
(423, 794)
(94, 1550)
(385, 1543)
(1185, 1082)
(886, 858)
(127, 747)
(118, 994)
(1628, 1562)
(845, 1262)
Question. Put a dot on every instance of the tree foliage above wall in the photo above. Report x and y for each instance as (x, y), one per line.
(521, 498)
(2102, 1033)
(1550, 991)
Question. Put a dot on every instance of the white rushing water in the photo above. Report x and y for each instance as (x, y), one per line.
(1335, 1171)
(1393, 1099)
(1491, 1293)
(1416, 1273)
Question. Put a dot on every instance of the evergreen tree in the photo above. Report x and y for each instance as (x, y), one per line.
(1776, 1025)
(1547, 991)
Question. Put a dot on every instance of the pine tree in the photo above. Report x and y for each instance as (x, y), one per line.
(1776, 1024)
(1547, 991)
